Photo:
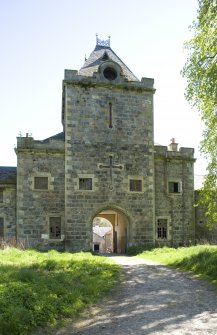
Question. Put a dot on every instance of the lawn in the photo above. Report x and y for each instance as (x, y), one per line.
(37, 289)
(200, 259)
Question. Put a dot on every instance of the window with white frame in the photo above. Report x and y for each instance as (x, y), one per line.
(175, 187)
(162, 229)
(55, 227)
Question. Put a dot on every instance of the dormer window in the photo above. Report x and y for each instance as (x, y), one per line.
(105, 56)
(110, 73)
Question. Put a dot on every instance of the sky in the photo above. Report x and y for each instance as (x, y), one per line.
(41, 38)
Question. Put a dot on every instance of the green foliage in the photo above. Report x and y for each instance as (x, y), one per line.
(201, 259)
(200, 71)
(135, 250)
(40, 288)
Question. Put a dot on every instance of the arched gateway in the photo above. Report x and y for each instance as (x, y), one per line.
(110, 231)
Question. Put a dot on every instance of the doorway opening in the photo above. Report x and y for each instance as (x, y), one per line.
(110, 232)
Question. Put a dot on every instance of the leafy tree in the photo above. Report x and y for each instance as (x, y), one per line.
(200, 71)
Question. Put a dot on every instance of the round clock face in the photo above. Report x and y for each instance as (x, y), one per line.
(110, 73)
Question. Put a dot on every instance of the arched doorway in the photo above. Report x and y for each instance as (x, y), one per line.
(110, 232)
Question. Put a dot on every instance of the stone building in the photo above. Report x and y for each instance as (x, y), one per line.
(103, 164)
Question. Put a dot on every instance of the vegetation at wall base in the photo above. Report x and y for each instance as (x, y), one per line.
(200, 260)
(37, 289)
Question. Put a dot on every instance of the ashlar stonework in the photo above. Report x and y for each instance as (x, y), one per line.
(104, 164)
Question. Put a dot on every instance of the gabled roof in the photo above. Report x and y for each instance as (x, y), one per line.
(8, 174)
(100, 54)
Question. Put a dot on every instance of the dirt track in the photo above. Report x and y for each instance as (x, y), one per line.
(151, 300)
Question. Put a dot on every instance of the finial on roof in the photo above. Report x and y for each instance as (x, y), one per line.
(103, 43)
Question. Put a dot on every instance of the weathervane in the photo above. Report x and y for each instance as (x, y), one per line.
(103, 43)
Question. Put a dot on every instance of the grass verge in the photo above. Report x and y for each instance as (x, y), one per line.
(37, 289)
(201, 259)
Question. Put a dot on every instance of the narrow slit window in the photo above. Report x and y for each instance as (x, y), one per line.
(110, 115)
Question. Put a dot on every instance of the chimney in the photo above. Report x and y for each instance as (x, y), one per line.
(173, 146)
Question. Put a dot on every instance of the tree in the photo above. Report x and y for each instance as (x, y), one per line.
(200, 71)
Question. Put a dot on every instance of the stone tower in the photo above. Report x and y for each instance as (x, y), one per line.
(101, 184)
(107, 117)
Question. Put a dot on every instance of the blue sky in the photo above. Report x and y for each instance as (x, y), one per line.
(41, 38)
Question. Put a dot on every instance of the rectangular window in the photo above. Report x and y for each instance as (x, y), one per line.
(85, 184)
(41, 183)
(1, 196)
(135, 185)
(96, 247)
(174, 187)
(55, 227)
(162, 232)
(1, 228)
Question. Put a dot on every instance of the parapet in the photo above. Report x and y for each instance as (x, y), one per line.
(52, 144)
(165, 153)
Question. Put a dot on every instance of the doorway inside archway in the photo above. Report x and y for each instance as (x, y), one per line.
(110, 232)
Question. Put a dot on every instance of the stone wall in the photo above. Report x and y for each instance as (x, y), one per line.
(8, 211)
(90, 142)
(35, 206)
(175, 167)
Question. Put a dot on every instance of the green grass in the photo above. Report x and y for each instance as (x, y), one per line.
(37, 289)
(201, 259)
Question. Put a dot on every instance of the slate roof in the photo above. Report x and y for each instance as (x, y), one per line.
(59, 136)
(8, 174)
(98, 56)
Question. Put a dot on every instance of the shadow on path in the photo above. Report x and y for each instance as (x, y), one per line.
(151, 299)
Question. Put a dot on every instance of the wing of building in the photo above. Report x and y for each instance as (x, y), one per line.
(103, 164)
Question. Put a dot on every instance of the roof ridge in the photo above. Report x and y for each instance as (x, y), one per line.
(93, 62)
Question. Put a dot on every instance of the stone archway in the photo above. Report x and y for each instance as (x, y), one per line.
(110, 232)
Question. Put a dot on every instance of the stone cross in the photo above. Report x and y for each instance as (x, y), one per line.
(110, 166)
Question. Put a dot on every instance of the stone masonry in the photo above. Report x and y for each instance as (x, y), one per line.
(103, 163)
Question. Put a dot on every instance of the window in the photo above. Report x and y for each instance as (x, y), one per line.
(110, 73)
(85, 183)
(55, 227)
(41, 183)
(135, 185)
(1, 228)
(162, 232)
(96, 247)
(174, 187)
(1, 196)
(110, 115)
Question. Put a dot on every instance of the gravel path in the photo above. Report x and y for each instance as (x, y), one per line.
(151, 300)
